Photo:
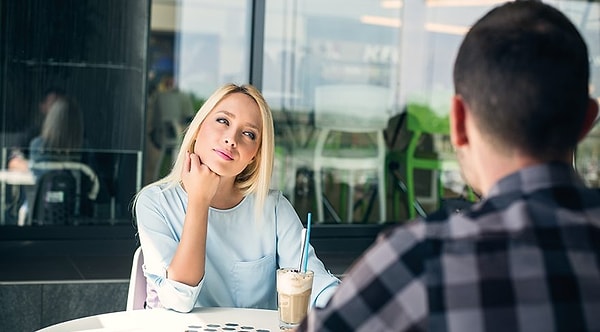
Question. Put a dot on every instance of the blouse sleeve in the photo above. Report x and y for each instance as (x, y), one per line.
(159, 240)
(289, 238)
(34, 149)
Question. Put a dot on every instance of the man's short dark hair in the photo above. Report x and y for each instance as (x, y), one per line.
(523, 70)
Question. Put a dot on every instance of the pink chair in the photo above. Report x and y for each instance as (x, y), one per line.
(136, 296)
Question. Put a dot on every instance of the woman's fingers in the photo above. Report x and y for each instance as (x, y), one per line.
(195, 162)
(195, 173)
(187, 164)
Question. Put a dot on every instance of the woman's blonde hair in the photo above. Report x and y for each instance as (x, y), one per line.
(256, 177)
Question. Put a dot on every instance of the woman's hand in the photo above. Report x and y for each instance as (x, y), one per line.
(18, 163)
(199, 181)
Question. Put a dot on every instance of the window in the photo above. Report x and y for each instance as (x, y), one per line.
(115, 67)
(93, 55)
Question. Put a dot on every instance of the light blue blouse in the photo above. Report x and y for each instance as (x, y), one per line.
(242, 254)
(37, 154)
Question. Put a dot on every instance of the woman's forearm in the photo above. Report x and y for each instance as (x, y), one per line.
(188, 262)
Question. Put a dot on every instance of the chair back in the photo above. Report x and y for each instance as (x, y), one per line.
(136, 295)
(422, 119)
(361, 111)
(64, 190)
(352, 107)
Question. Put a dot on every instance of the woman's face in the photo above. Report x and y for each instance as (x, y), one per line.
(230, 136)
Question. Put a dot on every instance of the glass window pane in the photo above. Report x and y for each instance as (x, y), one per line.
(76, 94)
(310, 45)
(199, 45)
(586, 17)
(407, 47)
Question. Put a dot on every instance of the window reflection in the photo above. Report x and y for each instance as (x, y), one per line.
(198, 45)
(406, 46)
(93, 189)
(209, 40)
(115, 68)
(586, 17)
(93, 53)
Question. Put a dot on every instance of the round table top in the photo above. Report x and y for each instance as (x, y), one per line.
(199, 319)
(17, 177)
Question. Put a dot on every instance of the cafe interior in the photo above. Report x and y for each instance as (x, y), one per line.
(359, 92)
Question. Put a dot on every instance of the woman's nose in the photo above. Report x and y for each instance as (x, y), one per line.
(229, 141)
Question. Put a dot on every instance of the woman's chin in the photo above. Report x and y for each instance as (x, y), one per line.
(222, 170)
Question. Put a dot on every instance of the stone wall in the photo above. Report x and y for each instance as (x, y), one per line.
(30, 306)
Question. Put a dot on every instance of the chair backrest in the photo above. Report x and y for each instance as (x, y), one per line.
(73, 166)
(352, 107)
(421, 118)
(55, 198)
(61, 192)
(136, 296)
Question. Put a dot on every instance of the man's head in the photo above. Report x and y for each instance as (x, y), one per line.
(522, 75)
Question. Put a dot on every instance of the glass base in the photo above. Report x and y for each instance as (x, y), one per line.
(287, 326)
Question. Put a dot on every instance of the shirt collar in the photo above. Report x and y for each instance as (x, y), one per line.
(537, 177)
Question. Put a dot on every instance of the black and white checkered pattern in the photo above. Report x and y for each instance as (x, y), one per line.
(526, 258)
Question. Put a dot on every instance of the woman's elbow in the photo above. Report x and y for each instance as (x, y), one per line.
(177, 301)
(181, 306)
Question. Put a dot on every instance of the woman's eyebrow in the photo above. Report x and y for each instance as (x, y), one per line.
(226, 113)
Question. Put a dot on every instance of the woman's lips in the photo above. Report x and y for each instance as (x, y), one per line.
(224, 154)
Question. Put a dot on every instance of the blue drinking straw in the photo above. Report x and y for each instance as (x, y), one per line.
(306, 241)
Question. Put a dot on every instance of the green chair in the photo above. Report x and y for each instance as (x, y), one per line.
(420, 120)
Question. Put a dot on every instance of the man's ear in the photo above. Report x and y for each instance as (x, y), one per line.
(458, 116)
(590, 118)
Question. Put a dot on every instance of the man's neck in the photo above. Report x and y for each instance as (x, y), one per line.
(494, 166)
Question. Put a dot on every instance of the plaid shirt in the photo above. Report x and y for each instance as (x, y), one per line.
(526, 258)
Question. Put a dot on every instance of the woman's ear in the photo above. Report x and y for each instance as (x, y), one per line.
(590, 118)
(458, 128)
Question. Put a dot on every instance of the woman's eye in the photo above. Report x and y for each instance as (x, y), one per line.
(250, 134)
(222, 120)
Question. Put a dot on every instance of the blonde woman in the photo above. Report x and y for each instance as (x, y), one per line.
(211, 231)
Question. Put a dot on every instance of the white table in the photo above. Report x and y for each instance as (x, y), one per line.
(15, 178)
(200, 319)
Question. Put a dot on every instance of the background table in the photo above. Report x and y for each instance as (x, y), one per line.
(15, 178)
(200, 319)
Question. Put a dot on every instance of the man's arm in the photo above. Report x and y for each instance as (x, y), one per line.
(383, 289)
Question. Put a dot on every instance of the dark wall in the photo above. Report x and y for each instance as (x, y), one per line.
(32, 306)
(94, 49)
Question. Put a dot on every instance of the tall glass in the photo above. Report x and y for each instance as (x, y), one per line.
(293, 296)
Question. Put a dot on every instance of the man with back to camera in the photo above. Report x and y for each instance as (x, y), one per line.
(527, 256)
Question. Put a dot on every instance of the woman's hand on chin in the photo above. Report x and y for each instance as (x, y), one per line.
(199, 181)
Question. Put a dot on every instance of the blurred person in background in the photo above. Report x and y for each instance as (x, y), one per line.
(18, 155)
(170, 110)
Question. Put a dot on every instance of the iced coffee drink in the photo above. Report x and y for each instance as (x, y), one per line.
(293, 296)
